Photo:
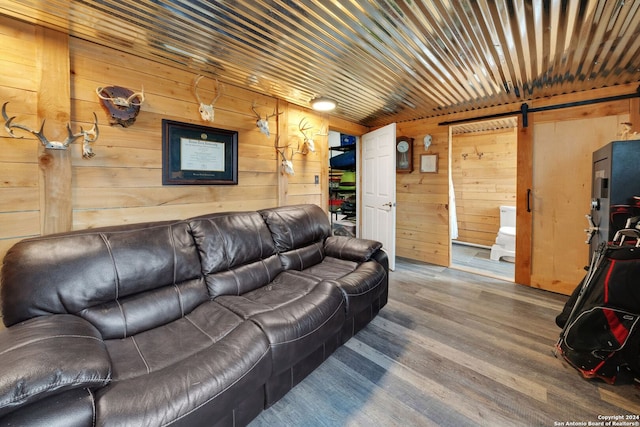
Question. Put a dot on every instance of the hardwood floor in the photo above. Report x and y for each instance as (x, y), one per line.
(477, 260)
(452, 349)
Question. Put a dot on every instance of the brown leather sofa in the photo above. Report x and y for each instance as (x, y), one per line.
(205, 321)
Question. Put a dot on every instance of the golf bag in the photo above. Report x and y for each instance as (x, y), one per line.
(600, 322)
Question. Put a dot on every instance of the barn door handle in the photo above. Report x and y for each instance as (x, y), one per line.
(528, 200)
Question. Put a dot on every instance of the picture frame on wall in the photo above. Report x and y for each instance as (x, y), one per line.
(198, 155)
(429, 163)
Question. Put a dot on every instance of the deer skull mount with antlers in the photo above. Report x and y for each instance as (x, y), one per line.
(90, 136)
(308, 145)
(263, 123)
(122, 104)
(206, 110)
(286, 164)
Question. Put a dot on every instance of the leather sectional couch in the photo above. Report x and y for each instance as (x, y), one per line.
(204, 321)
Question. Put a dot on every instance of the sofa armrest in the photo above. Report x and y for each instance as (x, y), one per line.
(381, 258)
(350, 248)
(46, 355)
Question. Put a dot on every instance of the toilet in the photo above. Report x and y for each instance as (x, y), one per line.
(505, 246)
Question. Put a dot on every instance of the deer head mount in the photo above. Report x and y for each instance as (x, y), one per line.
(90, 136)
(263, 123)
(122, 104)
(206, 110)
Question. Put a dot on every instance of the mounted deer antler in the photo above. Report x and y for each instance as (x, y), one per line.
(263, 124)
(287, 164)
(308, 144)
(121, 101)
(90, 136)
(122, 104)
(206, 110)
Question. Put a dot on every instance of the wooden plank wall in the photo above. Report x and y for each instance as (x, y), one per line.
(422, 229)
(123, 182)
(483, 168)
(19, 170)
(301, 186)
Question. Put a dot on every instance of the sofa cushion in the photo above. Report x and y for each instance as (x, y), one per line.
(360, 282)
(296, 311)
(206, 362)
(71, 272)
(141, 312)
(299, 233)
(236, 250)
(302, 258)
(331, 268)
(244, 278)
(297, 329)
(293, 227)
(286, 288)
(165, 345)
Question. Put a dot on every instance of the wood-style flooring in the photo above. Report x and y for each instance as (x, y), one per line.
(453, 349)
(478, 260)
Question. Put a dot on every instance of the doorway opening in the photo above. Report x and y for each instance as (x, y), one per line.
(482, 181)
(343, 184)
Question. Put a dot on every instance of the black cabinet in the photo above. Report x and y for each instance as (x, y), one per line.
(615, 189)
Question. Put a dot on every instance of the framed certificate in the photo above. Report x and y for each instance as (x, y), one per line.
(198, 155)
(429, 163)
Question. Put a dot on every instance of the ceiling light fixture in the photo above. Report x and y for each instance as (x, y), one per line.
(323, 104)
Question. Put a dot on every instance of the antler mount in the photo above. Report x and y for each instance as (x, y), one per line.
(263, 123)
(90, 135)
(207, 111)
(122, 104)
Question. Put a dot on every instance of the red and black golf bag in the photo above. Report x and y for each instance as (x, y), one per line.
(600, 330)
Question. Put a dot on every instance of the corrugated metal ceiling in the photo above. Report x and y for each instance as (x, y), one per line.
(485, 125)
(382, 60)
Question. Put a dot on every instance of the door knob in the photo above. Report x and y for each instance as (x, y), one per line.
(389, 204)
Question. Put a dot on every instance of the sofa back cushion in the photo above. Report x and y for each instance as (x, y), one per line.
(299, 232)
(123, 279)
(236, 251)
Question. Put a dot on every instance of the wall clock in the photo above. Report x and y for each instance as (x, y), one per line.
(404, 154)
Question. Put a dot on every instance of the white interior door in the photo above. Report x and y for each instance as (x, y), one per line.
(378, 184)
